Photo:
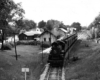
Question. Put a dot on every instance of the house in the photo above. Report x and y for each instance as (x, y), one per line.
(22, 36)
(30, 35)
(48, 37)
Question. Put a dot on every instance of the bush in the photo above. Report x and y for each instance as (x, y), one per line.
(45, 44)
(12, 44)
(25, 42)
(6, 47)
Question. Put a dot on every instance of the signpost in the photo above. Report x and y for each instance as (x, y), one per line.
(25, 70)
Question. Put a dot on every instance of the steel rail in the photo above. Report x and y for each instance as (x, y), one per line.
(54, 74)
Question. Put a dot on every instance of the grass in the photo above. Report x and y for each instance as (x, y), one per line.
(10, 69)
(88, 66)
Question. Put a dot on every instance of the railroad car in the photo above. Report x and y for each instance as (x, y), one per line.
(59, 49)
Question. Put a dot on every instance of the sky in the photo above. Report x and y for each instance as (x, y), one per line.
(67, 11)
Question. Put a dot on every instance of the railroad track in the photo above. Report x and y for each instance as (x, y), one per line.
(54, 74)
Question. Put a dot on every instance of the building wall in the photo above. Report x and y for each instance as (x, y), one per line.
(46, 38)
(24, 37)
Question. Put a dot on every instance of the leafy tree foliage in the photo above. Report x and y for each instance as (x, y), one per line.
(24, 24)
(63, 26)
(76, 25)
(51, 24)
(29, 24)
(95, 27)
(95, 23)
(8, 13)
(42, 24)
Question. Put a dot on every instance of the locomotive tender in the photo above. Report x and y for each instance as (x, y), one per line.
(59, 49)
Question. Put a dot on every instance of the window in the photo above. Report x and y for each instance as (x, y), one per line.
(44, 39)
(50, 39)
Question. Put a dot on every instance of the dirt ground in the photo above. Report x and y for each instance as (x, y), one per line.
(10, 69)
(88, 65)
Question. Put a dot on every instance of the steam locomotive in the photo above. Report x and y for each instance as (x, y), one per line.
(59, 49)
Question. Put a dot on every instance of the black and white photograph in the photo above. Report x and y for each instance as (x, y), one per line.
(49, 40)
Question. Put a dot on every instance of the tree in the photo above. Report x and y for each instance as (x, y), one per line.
(25, 24)
(42, 24)
(95, 25)
(51, 24)
(17, 23)
(7, 11)
(29, 24)
(10, 13)
(32, 24)
(62, 26)
(76, 25)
